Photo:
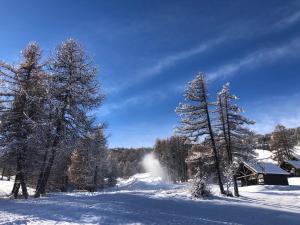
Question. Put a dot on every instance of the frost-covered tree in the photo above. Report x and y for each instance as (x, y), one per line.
(74, 91)
(200, 187)
(200, 161)
(196, 119)
(233, 132)
(282, 144)
(23, 95)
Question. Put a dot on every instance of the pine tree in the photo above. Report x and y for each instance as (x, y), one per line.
(282, 144)
(24, 95)
(74, 91)
(196, 119)
(233, 131)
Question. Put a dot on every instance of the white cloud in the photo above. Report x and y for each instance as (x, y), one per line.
(171, 60)
(289, 20)
(257, 58)
(142, 99)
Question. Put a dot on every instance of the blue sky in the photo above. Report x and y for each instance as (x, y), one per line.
(148, 50)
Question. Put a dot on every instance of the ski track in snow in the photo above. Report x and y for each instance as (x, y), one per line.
(143, 199)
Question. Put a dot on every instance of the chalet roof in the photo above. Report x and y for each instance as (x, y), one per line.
(266, 168)
(294, 163)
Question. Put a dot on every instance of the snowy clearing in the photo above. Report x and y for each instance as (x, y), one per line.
(143, 199)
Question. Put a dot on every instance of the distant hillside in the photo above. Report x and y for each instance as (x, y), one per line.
(263, 141)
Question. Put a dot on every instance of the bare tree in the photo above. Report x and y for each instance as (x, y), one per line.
(282, 144)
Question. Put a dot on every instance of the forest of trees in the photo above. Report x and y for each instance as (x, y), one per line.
(50, 140)
(47, 131)
(127, 161)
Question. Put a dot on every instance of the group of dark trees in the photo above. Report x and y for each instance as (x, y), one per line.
(172, 153)
(48, 137)
(127, 161)
(220, 130)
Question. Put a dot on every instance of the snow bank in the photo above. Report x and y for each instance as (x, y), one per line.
(294, 181)
(6, 188)
(264, 156)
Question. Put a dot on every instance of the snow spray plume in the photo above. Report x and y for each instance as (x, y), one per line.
(153, 166)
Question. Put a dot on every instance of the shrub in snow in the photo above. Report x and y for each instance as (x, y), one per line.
(200, 187)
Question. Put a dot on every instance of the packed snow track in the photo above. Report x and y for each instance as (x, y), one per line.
(142, 199)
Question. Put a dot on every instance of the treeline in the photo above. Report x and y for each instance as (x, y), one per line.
(264, 141)
(172, 153)
(48, 137)
(281, 142)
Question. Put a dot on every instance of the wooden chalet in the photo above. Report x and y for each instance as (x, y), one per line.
(261, 173)
(291, 166)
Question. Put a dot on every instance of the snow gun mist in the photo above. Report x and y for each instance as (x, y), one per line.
(152, 165)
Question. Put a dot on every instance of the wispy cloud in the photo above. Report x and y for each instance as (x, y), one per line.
(171, 60)
(289, 20)
(256, 58)
(142, 99)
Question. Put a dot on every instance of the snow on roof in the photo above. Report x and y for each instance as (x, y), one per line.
(294, 163)
(266, 168)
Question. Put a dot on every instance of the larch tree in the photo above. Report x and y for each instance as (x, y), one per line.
(196, 120)
(23, 95)
(88, 162)
(234, 132)
(282, 144)
(74, 91)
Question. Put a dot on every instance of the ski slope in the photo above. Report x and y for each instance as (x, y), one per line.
(143, 199)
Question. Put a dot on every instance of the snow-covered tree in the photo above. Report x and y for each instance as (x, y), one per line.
(74, 91)
(196, 119)
(233, 132)
(23, 95)
(282, 144)
(200, 187)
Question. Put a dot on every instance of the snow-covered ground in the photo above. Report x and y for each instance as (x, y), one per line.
(143, 199)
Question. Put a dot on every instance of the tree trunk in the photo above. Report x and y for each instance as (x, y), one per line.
(20, 179)
(3, 171)
(46, 169)
(41, 176)
(213, 144)
(45, 175)
(236, 189)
